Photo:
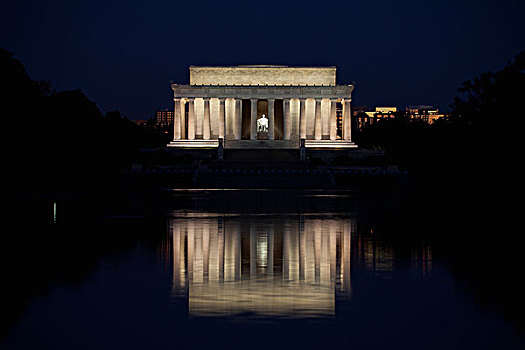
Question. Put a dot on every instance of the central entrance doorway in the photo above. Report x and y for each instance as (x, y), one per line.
(262, 109)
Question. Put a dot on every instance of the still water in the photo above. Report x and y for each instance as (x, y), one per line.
(235, 269)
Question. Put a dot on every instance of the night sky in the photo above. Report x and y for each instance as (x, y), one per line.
(123, 54)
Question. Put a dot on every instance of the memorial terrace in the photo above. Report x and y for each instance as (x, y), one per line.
(262, 106)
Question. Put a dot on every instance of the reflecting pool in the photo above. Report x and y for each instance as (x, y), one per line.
(234, 269)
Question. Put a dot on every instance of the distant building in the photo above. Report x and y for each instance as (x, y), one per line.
(426, 113)
(364, 116)
(163, 118)
(142, 122)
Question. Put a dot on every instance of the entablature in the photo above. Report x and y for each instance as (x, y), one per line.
(262, 92)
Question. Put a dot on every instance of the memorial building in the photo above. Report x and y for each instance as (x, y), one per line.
(262, 106)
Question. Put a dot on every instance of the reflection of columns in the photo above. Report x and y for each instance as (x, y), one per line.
(324, 272)
(345, 257)
(287, 120)
(302, 248)
(198, 253)
(213, 270)
(238, 253)
(206, 249)
(229, 252)
(253, 119)
(190, 248)
(286, 253)
(333, 248)
(238, 119)
(222, 124)
(232, 251)
(253, 249)
(317, 249)
(220, 230)
(309, 266)
(176, 121)
(333, 119)
(318, 125)
(206, 120)
(293, 255)
(177, 273)
(347, 114)
(302, 127)
(191, 119)
(270, 250)
(271, 117)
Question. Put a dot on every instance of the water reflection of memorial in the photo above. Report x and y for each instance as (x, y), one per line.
(290, 266)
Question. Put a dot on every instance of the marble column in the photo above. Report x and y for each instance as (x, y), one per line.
(183, 119)
(271, 119)
(294, 116)
(206, 120)
(287, 120)
(222, 125)
(214, 118)
(199, 116)
(191, 119)
(347, 115)
(230, 118)
(333, 119)
(253, 120)
(325, 118)
(238, 119)
(302, 127)
(317, 125)
(176, 120)
(310, 118)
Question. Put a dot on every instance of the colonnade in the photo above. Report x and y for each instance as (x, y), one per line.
(303, 118)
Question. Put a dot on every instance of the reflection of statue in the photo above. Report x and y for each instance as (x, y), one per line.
(262, 124)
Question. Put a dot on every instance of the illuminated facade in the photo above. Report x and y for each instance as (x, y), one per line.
(225, 103)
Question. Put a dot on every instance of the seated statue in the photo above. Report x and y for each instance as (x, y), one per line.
(262, 124)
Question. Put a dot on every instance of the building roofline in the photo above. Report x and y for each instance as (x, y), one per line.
(265, 66)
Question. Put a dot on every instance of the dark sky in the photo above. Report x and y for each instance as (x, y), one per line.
(123, 54)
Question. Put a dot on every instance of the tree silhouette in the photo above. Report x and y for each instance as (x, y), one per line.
(476, 138)
(59, 140)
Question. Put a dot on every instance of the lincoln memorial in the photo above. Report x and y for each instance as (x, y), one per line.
(262, 106)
